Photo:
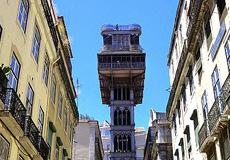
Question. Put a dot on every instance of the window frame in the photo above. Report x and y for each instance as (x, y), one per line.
(30, 99)
(60, 104)
(227, 52)
(45, 74)
(53, 88)
(23, 15)
(14, 76)
(216, 83)
(40, 120)
(36, 43)
(65, 119)
(4, 140)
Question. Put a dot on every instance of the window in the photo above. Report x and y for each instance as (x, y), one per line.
(70, 130)
(21, 158)
(29, 99)
(23, 13)
(216, 83)
(187, 132)
(178, 110)
(65, 119)
(121, 93)
(40, 120)
(204, 104)
(107, 132)
(107, 39)
(36, 44)
(172, 66)
(220, 5)
(57, 153)
(0, 32)
(53, 88)
(227, 51)
(208, 33)
(60, 105)
(196, 126)
(122, 143)
(14, 73)
(4, 149)
(177, 154)
(50, 135)
(46, 69)
(190, 78)
(183, 93)
(135, 39)
(224, 142)
(174, 123)
(182, 148)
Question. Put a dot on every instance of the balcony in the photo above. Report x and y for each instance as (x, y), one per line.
(13, 111)
(122, 65)
(50, 22)
(217, 120)
(113, 48)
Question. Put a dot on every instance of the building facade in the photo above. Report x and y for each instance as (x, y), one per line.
(106, 141)
(87, 141)
(198, 60)
(37, 96)
(140, 138)
(158, 144)
(121, 68)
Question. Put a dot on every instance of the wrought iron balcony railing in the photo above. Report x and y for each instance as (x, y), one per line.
(121, 65)
(215, 112)
(50, 22)
(121, 48)
(31, 131)
(203, 133)
(13, 104)
(43, 148)
(225, 90)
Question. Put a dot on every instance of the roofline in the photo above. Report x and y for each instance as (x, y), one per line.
(178, 16)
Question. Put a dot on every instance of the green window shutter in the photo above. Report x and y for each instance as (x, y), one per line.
(63, 157)
(50, 134)
(59, 141)
(196, 135)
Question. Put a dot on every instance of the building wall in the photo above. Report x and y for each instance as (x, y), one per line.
(182, 115)
(15, 41)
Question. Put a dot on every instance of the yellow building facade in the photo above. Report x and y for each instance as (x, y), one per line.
(37, 105)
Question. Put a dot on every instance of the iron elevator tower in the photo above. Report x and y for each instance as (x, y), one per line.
(121, 69)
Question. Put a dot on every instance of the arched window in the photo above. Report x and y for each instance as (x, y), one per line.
(120, 118)
(120, 144)
(128, 118)
(129, 144)
(115, 144)
(115, 117)
(125, 144)
(124, 117)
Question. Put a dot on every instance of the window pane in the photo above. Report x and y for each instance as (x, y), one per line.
(4, 149)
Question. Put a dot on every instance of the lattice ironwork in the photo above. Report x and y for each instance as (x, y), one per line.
(215, 112)
(31, 131)
(13, 105)
(225, 90)
(50, 22)
(121, 48)
(196, 5)
(43, 148)
(203, 133)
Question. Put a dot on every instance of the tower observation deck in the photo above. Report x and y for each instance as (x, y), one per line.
(121, 69)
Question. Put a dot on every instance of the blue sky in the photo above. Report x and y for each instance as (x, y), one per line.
(84, 18)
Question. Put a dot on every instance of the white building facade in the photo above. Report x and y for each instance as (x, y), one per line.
(87, 141)
(198, 60)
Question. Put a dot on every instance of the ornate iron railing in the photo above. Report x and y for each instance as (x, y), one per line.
(13, 105)
(43, 148)
(50, 22)
(31, 131)
(120, 48)
(121, 65)
(203, 132)
(225, 90)
(215, 112)
(193, 18)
